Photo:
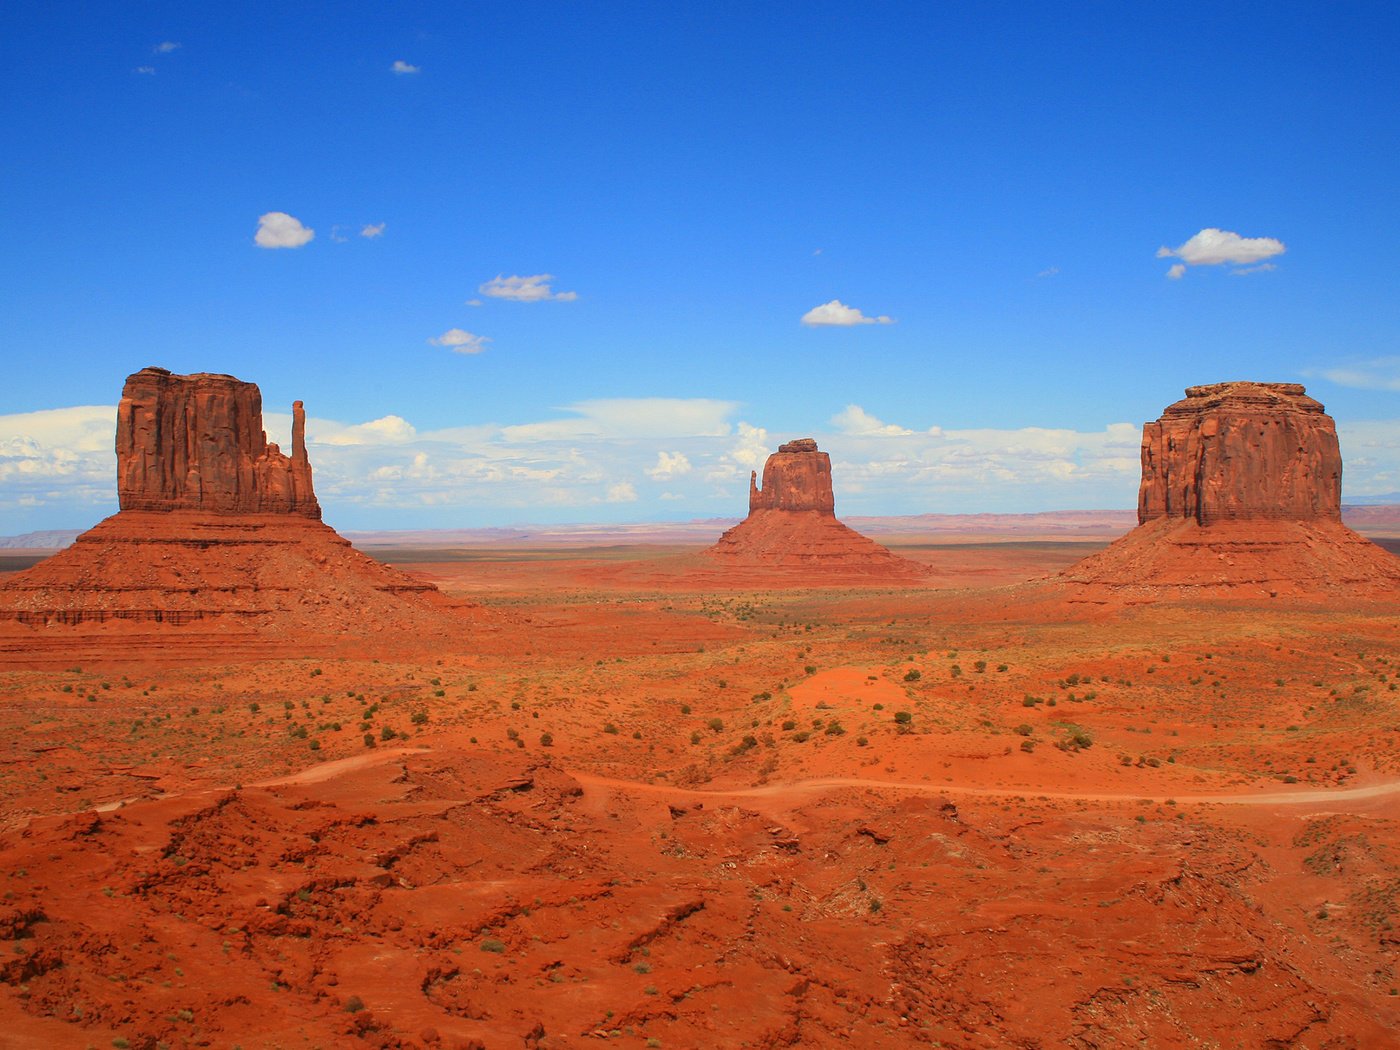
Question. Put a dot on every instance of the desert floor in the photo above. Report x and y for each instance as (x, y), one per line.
(636, 802)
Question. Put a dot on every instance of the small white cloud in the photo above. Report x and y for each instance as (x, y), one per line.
(622, 492)
(836, 313)
(1049, 271)
(669, 465)
(534, 289)
(165, 47)
(372, 230)
(855, 420)
(148, 71)
(277, 229)
(402, 68)
(1261, 268)
(1175, 273)
(460, 341)
(1213, 246)
(475, 302)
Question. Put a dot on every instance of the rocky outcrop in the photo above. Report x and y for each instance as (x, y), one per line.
(1241, 452)
(792, 529)
(196, 442)
(217, 527)
(796, 477)
(1240, 498)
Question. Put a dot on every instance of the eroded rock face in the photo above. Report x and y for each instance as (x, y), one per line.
(1240, 452)
(796, 477)
(196, 442)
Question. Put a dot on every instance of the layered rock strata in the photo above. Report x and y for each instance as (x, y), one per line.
(216, 524)
(792, 525)
(1240, 497)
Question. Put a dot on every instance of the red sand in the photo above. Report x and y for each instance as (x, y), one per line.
(637, 804)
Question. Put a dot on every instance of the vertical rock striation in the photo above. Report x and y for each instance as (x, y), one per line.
(796, 477)
(197, 443)
(1241, 452)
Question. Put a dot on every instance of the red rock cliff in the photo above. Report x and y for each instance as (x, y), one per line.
(197, 443)
(1239, 452)
(796, 477)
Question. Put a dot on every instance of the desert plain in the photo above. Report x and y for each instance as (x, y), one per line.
(636, 801)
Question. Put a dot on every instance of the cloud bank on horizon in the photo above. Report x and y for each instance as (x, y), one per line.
(694, 455)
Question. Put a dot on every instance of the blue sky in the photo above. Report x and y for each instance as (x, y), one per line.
(993, 180)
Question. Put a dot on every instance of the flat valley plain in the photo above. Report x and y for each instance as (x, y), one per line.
(641, 803)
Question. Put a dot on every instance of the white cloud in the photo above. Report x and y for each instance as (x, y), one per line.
(372, 230)
(1378, 373)
(277, 229)
(836, 313)
(57, 467)
(460, 341)
(1049, 271)
(384, 430)
(632, 417)
(148, 71)
(475, 302)
(669, 465)
(165, 47)
(534, 289)
(1176, 272)
(403, 68)
(751, 448)
(1212, 247)
(1261, 268)
(855, 420)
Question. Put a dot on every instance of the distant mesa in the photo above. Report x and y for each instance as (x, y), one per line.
(217, 525)
(1240, 497)
(792, 525)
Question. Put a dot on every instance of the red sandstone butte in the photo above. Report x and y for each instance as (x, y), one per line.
(1240, 497)
(216, 525)
(792, 525)
(1241, 452)
(197, 443)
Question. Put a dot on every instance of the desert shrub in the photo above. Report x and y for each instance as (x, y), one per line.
(546, 740)
(610, 729)
(903, 718)
(492, 945)
(354, 1004)
(716, 724)
(1023, 730)
(913, 675)
(418, 718)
